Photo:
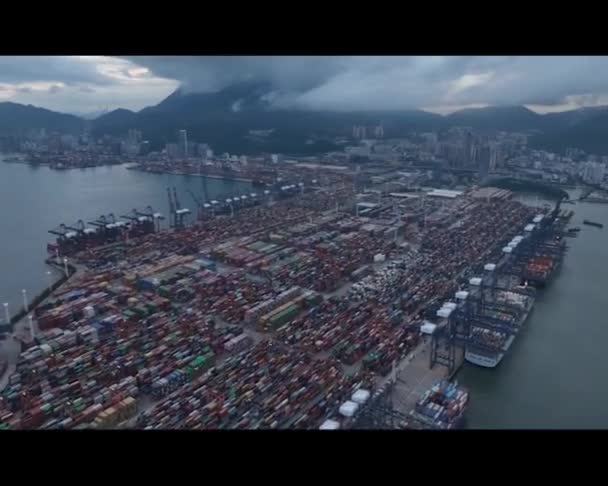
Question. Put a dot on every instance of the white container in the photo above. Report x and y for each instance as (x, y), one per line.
(475, 281)
(529, 227)
(348, 408)
(46, 349)
(507, 249)
(450, 305)
(490, 267)
(89, 311)
(462, 294)
(360, 396)
(330, 425)
(444, 312)
(428, 328)
(379, 258)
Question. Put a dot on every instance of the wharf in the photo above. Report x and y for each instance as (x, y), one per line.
(413, 376)
(295, 372)
(193, 174)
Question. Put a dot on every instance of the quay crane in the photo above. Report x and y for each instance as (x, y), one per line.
(147, 222)
(199, 204)
(177, 212)
(151, 215)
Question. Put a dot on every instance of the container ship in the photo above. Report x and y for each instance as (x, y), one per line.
(489, 347)
(593, 223)
(442, 407)
(539, 270)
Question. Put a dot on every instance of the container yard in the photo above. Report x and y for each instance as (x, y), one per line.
(291, 314)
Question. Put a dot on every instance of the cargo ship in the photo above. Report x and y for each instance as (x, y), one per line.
(494, 345)
(442, 407)
(593, 223)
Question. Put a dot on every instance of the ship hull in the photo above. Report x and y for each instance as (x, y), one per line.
(491, 360)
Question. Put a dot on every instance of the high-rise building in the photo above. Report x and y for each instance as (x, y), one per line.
(134, 136)
(496, 155)
(144, 147)
(182, 142)
(483, 160)
(467, 144)
(379, 131)
(54, 142)
(201, 149)
(116, 148)
(172, 150)
(592, 172)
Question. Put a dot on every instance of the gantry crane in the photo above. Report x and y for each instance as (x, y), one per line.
(178, 213)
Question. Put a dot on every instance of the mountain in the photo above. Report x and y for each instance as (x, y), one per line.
(507, 118)
(225, 119)
(236, 98)
(89, 115)
(587, 130)
(15, 117)
(116, 117)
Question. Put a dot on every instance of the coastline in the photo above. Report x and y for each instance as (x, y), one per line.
(176, 172)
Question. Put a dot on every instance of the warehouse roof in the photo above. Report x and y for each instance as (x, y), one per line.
(444, 193)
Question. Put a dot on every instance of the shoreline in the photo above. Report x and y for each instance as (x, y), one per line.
(208, 176)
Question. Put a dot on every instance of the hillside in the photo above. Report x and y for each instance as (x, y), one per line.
(589, 131)
(225, 118)
(509, 118)
(15, 117)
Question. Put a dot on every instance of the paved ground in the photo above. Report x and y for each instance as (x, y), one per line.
(10, 348)
(414, 376)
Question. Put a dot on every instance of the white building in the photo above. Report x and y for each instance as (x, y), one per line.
(592, 172)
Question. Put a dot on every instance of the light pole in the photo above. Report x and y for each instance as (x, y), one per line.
(25, 306)
(65, 266)
(57, 255)
(7, 316)
(48, 275)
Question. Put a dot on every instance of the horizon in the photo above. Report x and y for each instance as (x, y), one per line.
(92, 115)
(437, 84)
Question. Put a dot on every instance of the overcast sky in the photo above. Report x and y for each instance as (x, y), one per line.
(85, 84)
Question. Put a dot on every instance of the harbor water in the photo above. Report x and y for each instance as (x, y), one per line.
(552, 377)
(34, 200)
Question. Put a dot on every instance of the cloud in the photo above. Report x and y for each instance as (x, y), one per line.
(439, 83)
(80, 83)
(383, 82)
(69, 70)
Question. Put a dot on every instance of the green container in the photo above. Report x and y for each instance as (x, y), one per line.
(164, 291)
(198, 362)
